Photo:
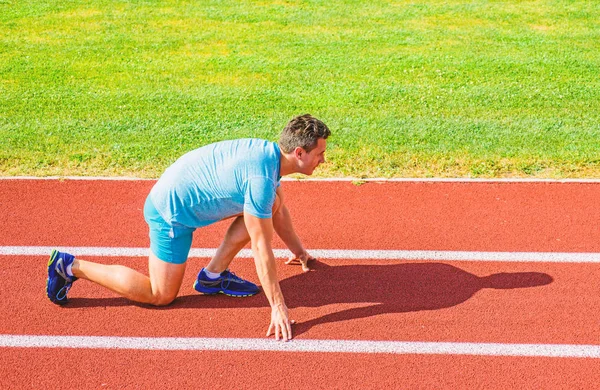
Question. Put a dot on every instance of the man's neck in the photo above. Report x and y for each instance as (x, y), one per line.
(287, 165)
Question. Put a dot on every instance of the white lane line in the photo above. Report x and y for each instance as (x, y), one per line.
(335, 179)
(336, 346)
(349, 254)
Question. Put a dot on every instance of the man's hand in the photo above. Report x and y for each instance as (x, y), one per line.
(280, 323)
(301, 259)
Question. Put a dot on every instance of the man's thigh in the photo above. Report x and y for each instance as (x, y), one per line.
(165, 277)
(169, 250)
(170, 243)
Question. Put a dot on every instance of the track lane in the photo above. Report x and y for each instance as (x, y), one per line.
(540, 217)
(271, 370)
(362, 300)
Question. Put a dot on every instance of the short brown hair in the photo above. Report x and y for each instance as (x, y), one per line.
(303, 131)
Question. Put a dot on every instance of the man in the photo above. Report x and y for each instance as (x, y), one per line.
(236, 179)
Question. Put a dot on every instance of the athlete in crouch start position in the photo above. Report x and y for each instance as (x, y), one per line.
(236, 179)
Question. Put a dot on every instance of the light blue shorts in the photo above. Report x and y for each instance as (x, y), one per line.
(169, 243)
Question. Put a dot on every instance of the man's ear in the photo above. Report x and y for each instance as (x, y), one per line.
(298, 152)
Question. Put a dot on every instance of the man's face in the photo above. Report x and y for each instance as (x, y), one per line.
(309, 161)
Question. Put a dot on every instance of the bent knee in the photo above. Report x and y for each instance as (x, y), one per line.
(163, 300)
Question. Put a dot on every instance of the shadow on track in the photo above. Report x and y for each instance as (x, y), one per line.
(397, 288)
(393, 288)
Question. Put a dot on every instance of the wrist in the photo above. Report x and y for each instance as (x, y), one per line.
(278, 304)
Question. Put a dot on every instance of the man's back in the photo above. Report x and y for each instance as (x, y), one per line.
(217, 181)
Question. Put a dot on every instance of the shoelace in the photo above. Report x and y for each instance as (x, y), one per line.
(60, 270)
(229, 278)
(64, 291)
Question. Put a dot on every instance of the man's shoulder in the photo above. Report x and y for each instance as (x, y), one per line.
(243, 144)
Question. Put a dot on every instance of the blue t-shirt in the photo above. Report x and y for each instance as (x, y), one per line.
(217, 181)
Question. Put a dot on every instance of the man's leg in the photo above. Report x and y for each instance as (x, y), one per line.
(160, 288)
(235, 240)
(215, 278)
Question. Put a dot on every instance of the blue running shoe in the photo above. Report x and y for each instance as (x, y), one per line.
(227, 283)
(59, 283)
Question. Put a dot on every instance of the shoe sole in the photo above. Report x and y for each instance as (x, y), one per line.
(52, 256)
(50, 262)
(223, 292)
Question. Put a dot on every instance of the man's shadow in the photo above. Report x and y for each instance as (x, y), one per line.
(397, 288)
(394, 288)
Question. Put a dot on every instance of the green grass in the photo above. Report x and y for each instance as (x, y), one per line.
(408, 88)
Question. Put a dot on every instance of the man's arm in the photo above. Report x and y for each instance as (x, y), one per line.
(282, 222)
(261, 235)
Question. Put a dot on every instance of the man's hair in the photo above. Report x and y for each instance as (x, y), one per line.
(303, 131)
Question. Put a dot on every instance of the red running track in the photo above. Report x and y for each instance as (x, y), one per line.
(533, 217)
(341, 299)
